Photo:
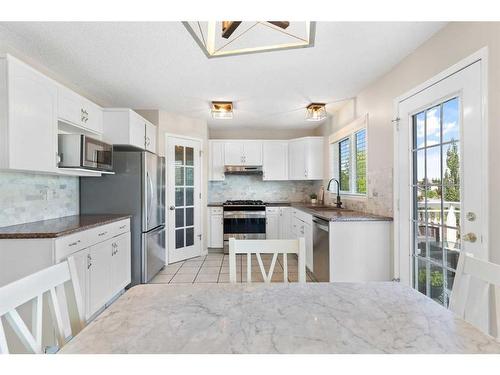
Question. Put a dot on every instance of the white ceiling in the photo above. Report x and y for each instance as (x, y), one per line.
(158, 65)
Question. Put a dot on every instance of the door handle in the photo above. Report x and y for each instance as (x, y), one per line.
(470, 237)
(172, 208)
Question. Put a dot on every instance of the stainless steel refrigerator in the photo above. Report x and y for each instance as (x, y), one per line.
(137, 188)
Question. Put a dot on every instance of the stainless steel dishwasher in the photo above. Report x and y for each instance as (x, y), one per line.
(321, 249)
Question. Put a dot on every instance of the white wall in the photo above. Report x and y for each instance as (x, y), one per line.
(450, 45)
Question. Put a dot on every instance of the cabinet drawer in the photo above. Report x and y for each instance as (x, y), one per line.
(272, 210)
(215, 210)
(105, 232)
(67, 245)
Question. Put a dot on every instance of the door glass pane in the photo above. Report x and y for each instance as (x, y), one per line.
(433, 126)
(419, 130)
(451, 130)
(189, 236)
(189, 176)
(189, 196)
(433, 165)
(420, 167)
(179, 217)
(189, 216)
(179, 197)
(421, 279)
(179, 176)
(179, 238)
(436, 199)
(189, 156)
(179, 155)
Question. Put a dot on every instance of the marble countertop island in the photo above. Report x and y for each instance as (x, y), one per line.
(278, 318)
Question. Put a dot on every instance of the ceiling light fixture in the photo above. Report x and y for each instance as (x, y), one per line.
(222, 110)
(315, 112)
(227, 38)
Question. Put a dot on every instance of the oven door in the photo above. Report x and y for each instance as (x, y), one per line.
(244, 225)
(97, 154)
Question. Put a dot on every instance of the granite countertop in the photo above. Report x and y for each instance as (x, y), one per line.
(374, 317)
(57, 227)
(339, 214)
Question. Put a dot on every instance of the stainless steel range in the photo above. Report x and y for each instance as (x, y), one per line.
(244, 219)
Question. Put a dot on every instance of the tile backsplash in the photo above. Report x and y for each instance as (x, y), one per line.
(252, 187)
(26, 197)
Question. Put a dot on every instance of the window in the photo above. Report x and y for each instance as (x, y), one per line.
(349, 161)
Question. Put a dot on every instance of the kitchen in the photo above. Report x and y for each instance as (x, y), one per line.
(153, 196)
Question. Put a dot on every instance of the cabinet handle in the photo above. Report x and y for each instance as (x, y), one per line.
(123, 226)
(74, 243)
(89, 261)
(102, 234)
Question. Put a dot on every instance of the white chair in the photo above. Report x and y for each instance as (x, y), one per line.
(274, 247)
(33, 287)
(469, 267)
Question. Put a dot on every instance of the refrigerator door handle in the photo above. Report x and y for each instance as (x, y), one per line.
(150, 196)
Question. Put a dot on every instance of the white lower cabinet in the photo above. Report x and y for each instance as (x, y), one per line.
(302, 227)
(272, 223)
(216, 227)
(285, 223)
(99, 276)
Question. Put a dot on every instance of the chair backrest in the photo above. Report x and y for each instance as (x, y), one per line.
(32, 288)
(274, 247)
(489, 273)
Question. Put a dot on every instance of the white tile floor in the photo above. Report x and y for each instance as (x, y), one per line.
(214, 268)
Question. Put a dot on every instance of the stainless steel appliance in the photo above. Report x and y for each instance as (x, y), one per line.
(321, 249)
(136, 188)
(240, 169)
(244, 219)
(82, 152)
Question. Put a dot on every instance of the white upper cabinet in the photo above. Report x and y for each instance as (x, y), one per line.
(78, 111)
(275, 160)
(216, 161)
(243, 152)
(28, 118)
(150, 137)
(305, 157)
(124, 127)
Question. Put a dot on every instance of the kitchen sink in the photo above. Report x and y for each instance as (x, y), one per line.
(326, 208)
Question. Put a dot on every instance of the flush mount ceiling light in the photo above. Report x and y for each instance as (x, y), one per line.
(227, 38)
(222, 110)
(315, 112)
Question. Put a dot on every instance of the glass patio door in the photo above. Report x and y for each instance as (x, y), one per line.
(183, 199)
(440, 180)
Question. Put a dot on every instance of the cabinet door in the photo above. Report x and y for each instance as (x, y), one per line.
(275, 160)
(233, 153)
(69, 107)
(285, 223)
(137, 130)
(307, 234)
(32, 126)
(272, 226)
(92, 116)
(296, 160)
(216, 161)
(82, 263)
(252, 153)
(314, 150)
(150, 137)
(120, 263)
(216, 231)
(99, 276)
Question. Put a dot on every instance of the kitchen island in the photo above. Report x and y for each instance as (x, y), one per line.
(383, 317)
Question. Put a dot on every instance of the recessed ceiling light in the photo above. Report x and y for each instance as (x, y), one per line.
(222, 110)
(315, 112)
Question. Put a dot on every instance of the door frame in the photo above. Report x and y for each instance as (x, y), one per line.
(399, 186)
(203, 209)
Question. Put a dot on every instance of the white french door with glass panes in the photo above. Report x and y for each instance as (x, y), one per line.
(440, 184)
(183, 198)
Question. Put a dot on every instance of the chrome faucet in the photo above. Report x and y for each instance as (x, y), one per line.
(338, 204)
